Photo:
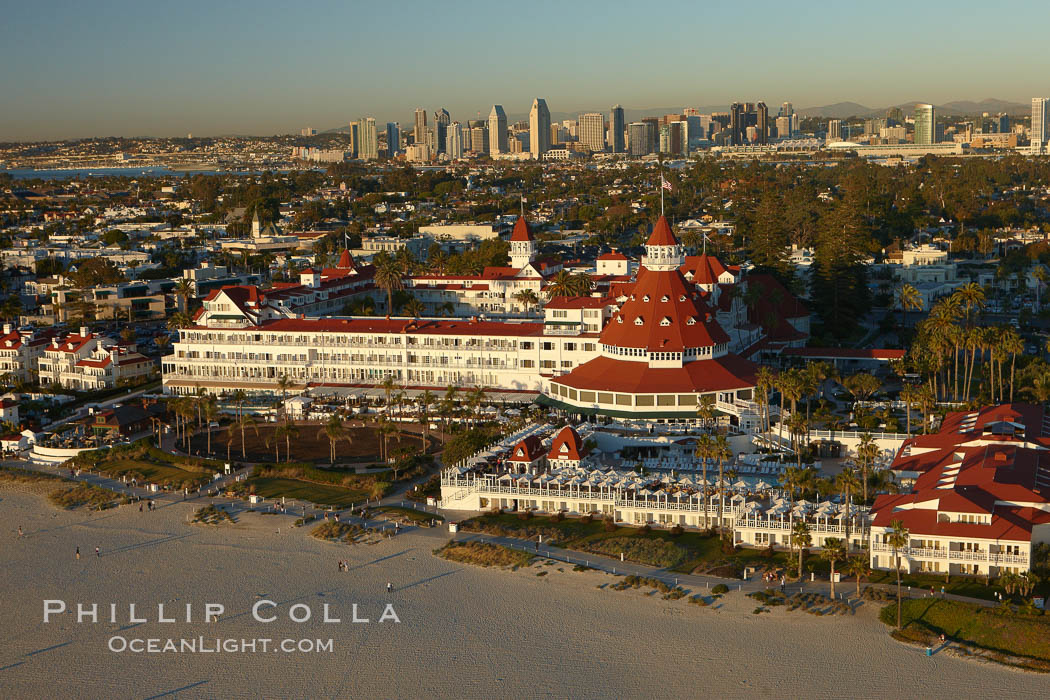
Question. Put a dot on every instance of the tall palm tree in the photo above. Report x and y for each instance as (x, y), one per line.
(793, 477)
(800, 538)
(833, 551)
(333, 429)
(475, 397)
(847, 483)
(184, 290)
(857, 565)
(704, 450)
(721, 454)
(867, 451)
(287, 430)
(561, 285)
(898, 539)
(245, 421)
(389, 385)
(765, 380)
(908, 298)
(388, 277)
(179, 319)
(797, 428)
(705, 410)
(425, 400)
(414, 307)
(284, 383)
(1013, 345)
(209, 409)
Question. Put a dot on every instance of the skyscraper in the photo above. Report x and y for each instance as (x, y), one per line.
(737, 122)
(393, 139)
(616, 129)
(369, 149)
(834, 130)
(539, 128)
(592, 131)
(419, 131)
(762, 121)
(454, 141)
(1038, 132)
(925, 124)
(498, 130)
(638, 138)
(441, 120)
(355, 139)
(787, 109)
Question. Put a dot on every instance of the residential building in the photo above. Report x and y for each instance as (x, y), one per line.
(419, 128)
(454, 141)
(89, 362)
(393, 139)
(1037, 133)
(592, 131)
(638, 138)
(369, 148)
(441, 122)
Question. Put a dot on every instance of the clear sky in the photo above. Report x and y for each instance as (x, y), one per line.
(75, 69)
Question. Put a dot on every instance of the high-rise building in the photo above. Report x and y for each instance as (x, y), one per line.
(454, 141)
(894, 116)
(369, 149)
(786, 109)
(479, 138)
(441, 120)
(638, 138)
(783, 125)
(355, 139)
(498, 130)
(419, 131)
(393, 139)
(539, 128)
(834, 130)
(1002, 122)
(674, 138)
(617, 127)
(762, 121)
(592, 131)
(925, 124)
(1038, 132)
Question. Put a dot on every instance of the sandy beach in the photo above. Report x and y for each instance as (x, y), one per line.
(465, 632)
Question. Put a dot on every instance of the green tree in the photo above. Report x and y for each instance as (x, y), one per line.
(898, 538)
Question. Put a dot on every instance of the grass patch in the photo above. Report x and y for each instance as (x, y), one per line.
(322, 494)
(147, 464)
(688, 552)
(410, 514)
(210, 515)
(14, 475)
(1002, 630)
(87, 496)
(484, 554)
(331, 530)
(969, 587)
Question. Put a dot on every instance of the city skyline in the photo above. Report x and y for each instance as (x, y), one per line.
(268, 75)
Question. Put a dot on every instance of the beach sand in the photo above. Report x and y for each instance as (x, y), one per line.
(465, 632)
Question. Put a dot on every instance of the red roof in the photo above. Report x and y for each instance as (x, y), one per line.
(612, 256)
(663, 313)
(705, 269)
(700, 376)
(521, 230)
(346, 262)
(404, 325)
(661, 234)
(528, 450)
(578, 302)
(567, 445)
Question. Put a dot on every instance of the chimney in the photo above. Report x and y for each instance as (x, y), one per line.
(7, 329)
(84, 331)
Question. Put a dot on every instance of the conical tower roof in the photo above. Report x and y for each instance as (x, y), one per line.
(521, 231)
(662, 234)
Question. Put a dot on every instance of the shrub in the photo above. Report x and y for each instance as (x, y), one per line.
(331, 530)
(654, 552)
(484, 554)
(608, 524)
(587, 517)
(85, 495)
(720, 589)
(558, 517)
(525, 515)
(676, 530)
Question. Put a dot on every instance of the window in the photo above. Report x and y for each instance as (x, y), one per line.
(548, 346)
(638, 321)
(604, 397)
(645, 400)
(569, 347)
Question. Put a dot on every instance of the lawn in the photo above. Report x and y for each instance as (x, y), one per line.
(263, 443)
(321, 494)
(146, 463)
(685, 553)
(484, 554)
(409, 513)
(969, 587)
(155, 473)
(993, 629)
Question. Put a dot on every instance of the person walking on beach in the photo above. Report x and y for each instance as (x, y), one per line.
(97, 553)
(783, 584)
(20, 533)
(77, 555)
(389, 587)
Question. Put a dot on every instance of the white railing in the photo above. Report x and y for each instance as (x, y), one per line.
(957, 554)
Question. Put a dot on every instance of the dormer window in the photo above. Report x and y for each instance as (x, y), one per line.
(691, 321)
(619, 319)
(666, 321)
(638, 321)
(665, 298)
(645, 298)
(681, 298)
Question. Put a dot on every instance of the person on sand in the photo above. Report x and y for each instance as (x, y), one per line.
(97, 553)
(389, 587)
(77, 555)
(20, 533)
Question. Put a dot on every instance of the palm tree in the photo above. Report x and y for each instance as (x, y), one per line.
(908, 297)
(561, 284)
(908, 398)
(847, 483)
(475, 397)
(388, 277)
(179, 319)
(527, 298)
(287, 430)
(389, 384)
(705, 410)
(1012, 345)
(704, 450)
(209, 410)
(800, 538)
(162, 342)
(857, 565)
(244, 421)
(793, 478)
(425, 400)
(184, 290)
(333, 429)
(284, 383)
(765, 380)
(721, 453)
(898, 539)
(797, 427)
(1038, 383)
(867, 451)
(833, 551)
(414, 307)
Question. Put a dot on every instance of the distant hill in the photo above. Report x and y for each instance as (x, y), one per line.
(958, 108)
(839, 110)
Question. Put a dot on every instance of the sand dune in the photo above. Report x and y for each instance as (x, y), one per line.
(465, 632)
